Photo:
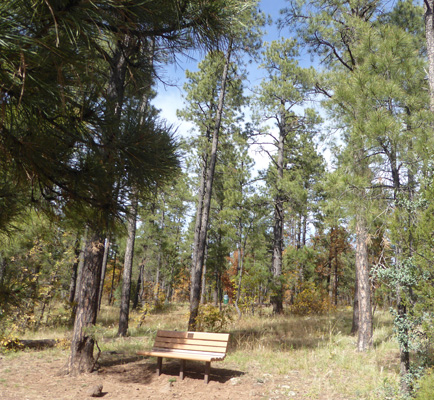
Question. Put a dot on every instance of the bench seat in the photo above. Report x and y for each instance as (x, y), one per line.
(192, 346)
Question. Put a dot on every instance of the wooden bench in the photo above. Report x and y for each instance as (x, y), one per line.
(196, 346)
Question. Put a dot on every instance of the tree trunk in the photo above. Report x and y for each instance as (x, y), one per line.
(364, 341)
(336, 280)
(2, 270)
(429, 35)
(157, 281)
(203, 291)
(81, 264)
(404, 351)
(276, 268)
(104, 269)
(138, 286)
(240, 279)
(355, 324)
(199, 246)
(199, 212)
(111, 297)
(81, 357)
(79, 273)
(128, 267)
(73, 283)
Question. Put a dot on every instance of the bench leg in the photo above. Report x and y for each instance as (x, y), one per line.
(159, 365)
(207, 371)
(181, 371)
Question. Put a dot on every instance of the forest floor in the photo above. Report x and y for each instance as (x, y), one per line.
(33, 377)
(304, 358)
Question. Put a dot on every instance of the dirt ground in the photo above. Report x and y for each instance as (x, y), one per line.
(35, 375)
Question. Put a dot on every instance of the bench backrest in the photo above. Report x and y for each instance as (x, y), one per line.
(192, 341)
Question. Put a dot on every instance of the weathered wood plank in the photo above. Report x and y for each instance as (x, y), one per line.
(224, 337)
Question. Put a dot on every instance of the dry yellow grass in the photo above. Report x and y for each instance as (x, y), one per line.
(316, 354)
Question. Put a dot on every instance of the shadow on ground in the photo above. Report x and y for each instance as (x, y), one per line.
(128, 369)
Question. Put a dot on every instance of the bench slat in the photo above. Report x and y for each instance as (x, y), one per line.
(224, 337)
(213, 343)
(184, 356)
(189, 346)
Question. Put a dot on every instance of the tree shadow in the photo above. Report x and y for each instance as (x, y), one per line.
(114, 358)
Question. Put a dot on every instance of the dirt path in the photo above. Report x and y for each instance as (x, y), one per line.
(35, 375)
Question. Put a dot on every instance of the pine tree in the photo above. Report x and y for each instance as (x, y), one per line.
(286, 87)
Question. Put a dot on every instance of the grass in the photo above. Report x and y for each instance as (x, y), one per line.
(315, 350)
(320, 351)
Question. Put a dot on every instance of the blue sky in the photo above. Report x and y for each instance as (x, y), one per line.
(169, 97)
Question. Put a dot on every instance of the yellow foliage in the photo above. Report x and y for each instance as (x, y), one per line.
(311, 300)
(211, 319)
(63, 343)
(10, 343)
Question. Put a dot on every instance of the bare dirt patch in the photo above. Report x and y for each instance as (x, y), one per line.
(35, 375)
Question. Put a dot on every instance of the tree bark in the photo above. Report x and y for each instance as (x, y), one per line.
(199, 248)
(429, 35)
(203, 290)
(81, 357)
(128, 267)
(74, 275)
(364, 341)
(81, 264)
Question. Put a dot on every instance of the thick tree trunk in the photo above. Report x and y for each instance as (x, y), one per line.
(429, 35)
(81, 357)
(128, 268)
(80, 265)
(364, 341)
(199, 247)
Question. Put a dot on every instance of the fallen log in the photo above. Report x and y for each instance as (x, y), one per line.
(37, 344)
